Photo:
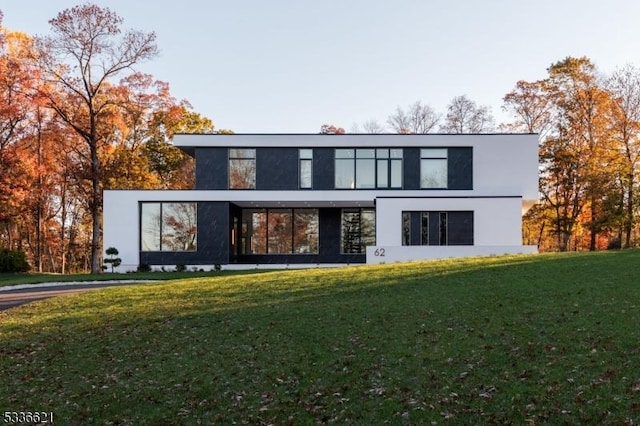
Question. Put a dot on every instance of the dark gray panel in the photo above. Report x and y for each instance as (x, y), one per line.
(460, 228)
(411, 168)
(277, 169)
(460, 166)
(323, 168)
(212, 168)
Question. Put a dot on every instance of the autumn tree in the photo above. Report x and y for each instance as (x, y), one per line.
(465, 116)
(16, 90)
(418, 118)
(87, 50)
(330, 129)
(531, 107)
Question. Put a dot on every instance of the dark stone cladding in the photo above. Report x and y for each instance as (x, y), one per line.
(212, 168)
(460, 168)
(277, 169)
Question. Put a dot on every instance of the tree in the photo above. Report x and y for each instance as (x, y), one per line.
(531, 106)
(86, 51)
(465, 116)
(582, 106)
(418, 119)
(330, 129)
(624, 87)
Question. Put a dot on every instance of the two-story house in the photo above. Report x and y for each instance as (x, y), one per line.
(312, 199)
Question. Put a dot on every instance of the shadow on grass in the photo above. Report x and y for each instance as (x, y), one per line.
(531, 338)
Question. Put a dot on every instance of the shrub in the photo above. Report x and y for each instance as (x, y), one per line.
(143, 267)
(13, 261)
(112, 260)
(181, 267)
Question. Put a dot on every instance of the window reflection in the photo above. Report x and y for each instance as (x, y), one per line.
(279, 231)
(433, 168)
(357, 230)
(168, 227)
(242, 168)
(305, 231)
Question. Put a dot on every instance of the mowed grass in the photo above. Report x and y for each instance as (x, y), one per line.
(9, 279)
(546, 339)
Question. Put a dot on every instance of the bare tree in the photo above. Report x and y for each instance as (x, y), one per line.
(465, 116)
(86, 51)
(372, 127)
(418, 119)
(624, 87)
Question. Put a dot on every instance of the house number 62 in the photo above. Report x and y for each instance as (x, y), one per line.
(379, 252)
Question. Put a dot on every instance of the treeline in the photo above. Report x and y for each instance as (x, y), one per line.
(75, 119)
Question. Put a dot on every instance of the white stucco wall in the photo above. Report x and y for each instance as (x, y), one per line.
(497, 221)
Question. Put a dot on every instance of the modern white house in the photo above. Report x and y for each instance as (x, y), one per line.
(315, 200)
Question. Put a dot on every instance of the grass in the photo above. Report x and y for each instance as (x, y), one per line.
(8, 279)
(523, 339)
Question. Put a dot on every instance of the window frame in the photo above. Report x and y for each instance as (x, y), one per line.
(361, 237)
(241, 156)
(162, 207)
(349, 163)
(434, 156)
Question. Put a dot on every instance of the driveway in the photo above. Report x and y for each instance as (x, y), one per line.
(19, 295)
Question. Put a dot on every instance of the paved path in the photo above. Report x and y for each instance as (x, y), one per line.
(19, 295)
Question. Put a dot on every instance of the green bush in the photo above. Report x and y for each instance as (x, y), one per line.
(143, 267)
(13, 261)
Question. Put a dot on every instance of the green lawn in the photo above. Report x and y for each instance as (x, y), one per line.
(7, 279)
(547, 339)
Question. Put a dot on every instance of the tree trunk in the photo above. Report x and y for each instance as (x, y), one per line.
(96, 205)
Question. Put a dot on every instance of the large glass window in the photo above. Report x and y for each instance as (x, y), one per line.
(242, 168)
(433, 168)
(368, 168)
(279, 231)
(306, 168)
(305, 231)
(168, 226)
(358, 230)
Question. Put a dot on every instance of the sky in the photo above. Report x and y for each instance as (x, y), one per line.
(276, 66)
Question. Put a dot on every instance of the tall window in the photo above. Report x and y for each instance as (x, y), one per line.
(406, 228)
(306, 168)
(242, 168)
(433, 168)
(279, 231)
(168, 226)
(358, 230)
(368, 168)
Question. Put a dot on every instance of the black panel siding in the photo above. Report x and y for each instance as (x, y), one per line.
(212, 242)
(212, 168)
(411, 168)
(277, 169)
(323, 168)
(460, 228)
(460, 168)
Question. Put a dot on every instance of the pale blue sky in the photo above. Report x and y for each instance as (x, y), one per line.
(259, 66)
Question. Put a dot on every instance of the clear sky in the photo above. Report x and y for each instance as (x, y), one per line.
(276, 66)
